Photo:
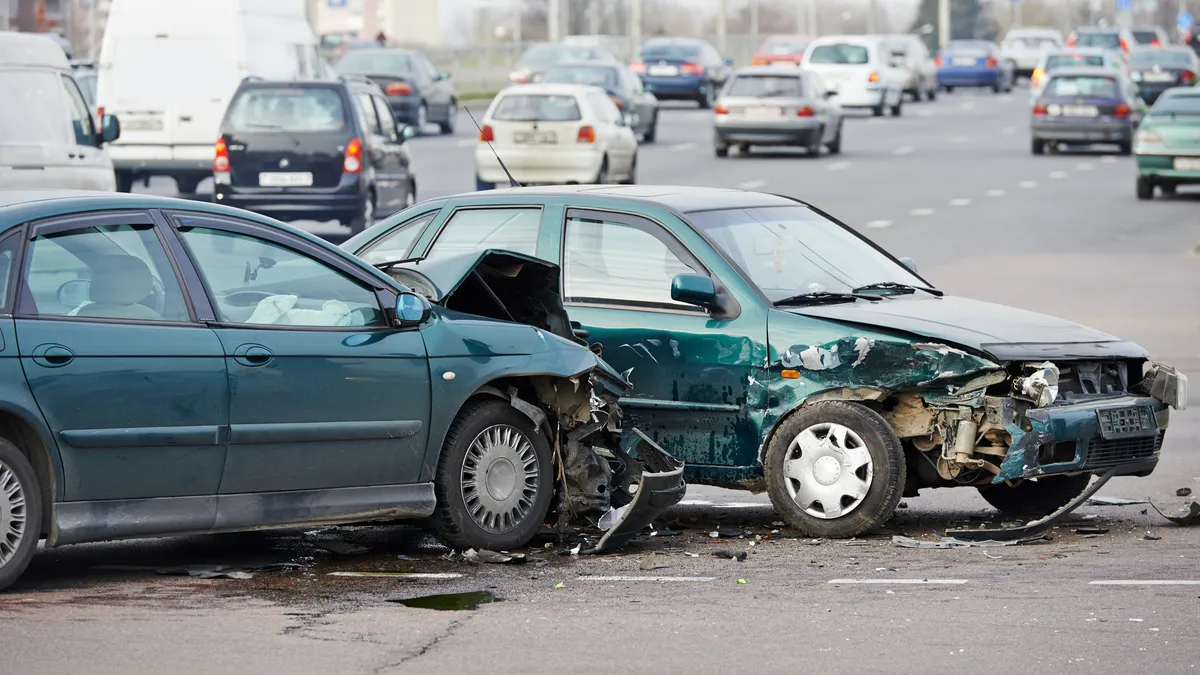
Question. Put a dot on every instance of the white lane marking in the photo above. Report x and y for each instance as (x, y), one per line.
(466, 142)
(995, 193)
(959, 139)
(968, 105)
(838, 166)
(960, 202)
(875, 120)
(898, 581)
(1108, 159)
(925, 113)
(634, 578)
(399, 575)
(1145, 582)
(740, 505)
(1029, 184)
(921, 212)
(877, 224)
(1085, 166)
(1008, 131)
(752, 184)
(903, 150)
(1058, 174)
(683, 146)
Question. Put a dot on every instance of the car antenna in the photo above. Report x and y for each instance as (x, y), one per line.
(511, 181)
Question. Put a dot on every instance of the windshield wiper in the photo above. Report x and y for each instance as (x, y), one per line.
(824, 298)
(905, 289)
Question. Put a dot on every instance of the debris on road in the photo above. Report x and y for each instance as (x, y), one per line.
(954, 542)
(742, 581)
(650, 562)
(449, 601)
(1189, 516)
(1036, 526)
(341, 547)
(730, 554)
(1183, 492)
(1151, 537)
(432, 576)
(206, 572)
(1115, 501)
(1091, 530)
(559, 585)
(486, 556)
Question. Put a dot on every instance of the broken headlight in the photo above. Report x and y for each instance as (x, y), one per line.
(1167, 385)
(1039, 384)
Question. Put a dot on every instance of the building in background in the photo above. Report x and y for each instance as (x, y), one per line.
(404, 22)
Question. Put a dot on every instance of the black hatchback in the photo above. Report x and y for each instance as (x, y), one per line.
(327, 150)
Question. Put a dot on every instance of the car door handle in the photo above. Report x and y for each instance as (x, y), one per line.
(52, 355)
(253, 356)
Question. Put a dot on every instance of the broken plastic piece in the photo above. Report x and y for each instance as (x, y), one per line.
(400, 575)
(730, 554)
(1183, 492)
(1037, 526)
(1040, 386)
(1189, 516)
(1115, 501)
(954, 542)
(486, 556)
(1091, 530)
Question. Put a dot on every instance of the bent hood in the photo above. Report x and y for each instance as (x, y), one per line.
(1003, 333)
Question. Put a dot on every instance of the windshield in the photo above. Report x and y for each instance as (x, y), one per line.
(783, 46)
(1085, 86)
(1177, 104)
(841, 54)
(537, 108)
(790, 250)
(376, 62)
(293, 110)
(670, 51)
(1145, 37)
(755, 86)
(1105, 40)
(1060, 60)
(605, 78)
(1161, 57)
(549, 54)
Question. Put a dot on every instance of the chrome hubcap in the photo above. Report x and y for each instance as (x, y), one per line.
(500, 479)
(828, 470)
(12, 514)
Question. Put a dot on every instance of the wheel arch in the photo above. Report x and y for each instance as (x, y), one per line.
(868, 397)
(31, 440)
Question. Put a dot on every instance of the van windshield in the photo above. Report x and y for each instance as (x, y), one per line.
(284, 109)
(34, 110)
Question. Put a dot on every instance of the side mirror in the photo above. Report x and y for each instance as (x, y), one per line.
(910, 264)
(411, 310)
(831, 93)
(110, 128)
(408, 132)
(694, 289)
(729, 61)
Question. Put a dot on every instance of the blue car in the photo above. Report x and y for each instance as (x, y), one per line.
(682, 69)
(974, 63)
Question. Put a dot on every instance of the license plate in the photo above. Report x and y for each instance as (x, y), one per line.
(285, 179)
(1158, 77)
(663, 71)
(1080, 111)
(142, 125)
(1187, 163)
(965, 61)
(764, 112)
(1124, 422)
(535, 137)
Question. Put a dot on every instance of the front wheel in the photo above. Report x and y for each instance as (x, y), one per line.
(1038, 147)
(20, 513)
(1036, 497)
(447, 127)
(494, 481)
(1145, 189)
(835, 469)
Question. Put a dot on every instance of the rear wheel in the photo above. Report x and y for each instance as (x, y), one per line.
(651, 130)
(878, 110)
(1039, 146)
(366, 214)
(898, 108)
(20, 513)
(186, 186)
(931, 95)
(721, 150)
(1145, 188)
(124, 181)
(447, 127)
(1037, 497)
(835, 146)
(422, 118)
(1125, 148)
(410, 197)
(602, 174)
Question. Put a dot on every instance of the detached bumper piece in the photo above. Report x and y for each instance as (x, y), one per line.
(654, 480)
(1038, 526)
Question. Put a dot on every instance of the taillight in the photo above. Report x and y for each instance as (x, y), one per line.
(1188, 77)
(1036, 77)
(519, 77)
(398, 89)
(874, 77)
(1121, 110)
(352, 162)
(937, 61)
(1039, 109)
(759, 61)
(617, 101)
(587, 134)
(486, 135)
(991, 62)
(221, 159)
(721, 109)
(1155, 43)
(1124, 46)
(692, 69)
(806, 111)
(1071, 40)
(100, 111)
(637, 66)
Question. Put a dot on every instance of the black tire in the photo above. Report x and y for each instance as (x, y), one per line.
(186, 185)
(447, 127)
(1125, 149)
(721, 150)
(124, 181)
(878, 110)
(898, 108)
(452, 518)
(366, 214)
(931, 95)
(17, 550)
(1036, 497)
(835, 146)
(949, 89)
(1038, 147)
(814, 145)
(1167, 188)
(1145, 188)
(887, 460)
(652, 130)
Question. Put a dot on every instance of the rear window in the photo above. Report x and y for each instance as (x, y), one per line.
(1103, 40)
(783, 46)
(605, 78)
(544, 55)
(1030, 42)
(1085, 86)
(35, 110)
(766, 86)
(1062, 60)
(375, 63)
(292, 110)
(666, 51)
(976, 49)
(841, 54)
(1161, 57)
(537, 108)
(1178, 104)
(1145, 37)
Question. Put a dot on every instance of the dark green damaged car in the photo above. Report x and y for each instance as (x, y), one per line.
(772, 348)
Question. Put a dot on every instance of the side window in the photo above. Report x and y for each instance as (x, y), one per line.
(257, 282)
(386, 120)
(427, 68)
(603, 106)
(619, 263)
(511, 229)
(81, 117)
(110, 272)
(8, 253)
(396, 243)
(370, 118)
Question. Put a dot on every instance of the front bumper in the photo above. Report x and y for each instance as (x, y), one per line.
(1083, 131)
(759, 133)
(660, 485)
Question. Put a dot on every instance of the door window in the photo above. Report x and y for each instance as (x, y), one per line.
(370, 118)
(34, 109)
(395, 244)
(621, 263)
(8, 253)
(386, 119)
(257, 282)
(109, 271)
(81, 116)
(605, 109)
(480, 229)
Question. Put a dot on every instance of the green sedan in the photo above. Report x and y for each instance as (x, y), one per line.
(1167, 146)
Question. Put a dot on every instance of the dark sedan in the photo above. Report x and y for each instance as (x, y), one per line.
(639, 106)
(417, 93)
(1157, 70)
(682, 68)
(541, 57)
(1083, 106)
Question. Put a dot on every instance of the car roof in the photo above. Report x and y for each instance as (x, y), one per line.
(771, 69)
(1087, 51)
(550, 88)
(681, 198)
(26, 49)
(1097, 29)
(1083, 71)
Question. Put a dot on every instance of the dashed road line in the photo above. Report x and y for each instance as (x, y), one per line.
(1108, 159)
(1058, 174)
(995, 193)
(1029, 184)
(879, 224)
(1144, 582)
(903, 150)
(636, 578)
(1085, 166)
(952, 582)
(752, 184)
(466, 143)
(960, 202)
(921, 212)
(680, 147)
(959, 139)
(694, 502)
(838, 166)
(968, 105)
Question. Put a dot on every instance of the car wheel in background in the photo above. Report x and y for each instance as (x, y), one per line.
(721, 150)
(1038, 146)
(20, 513)
(631, 179)
(124, 181)
(949, 89)
(186, 186)
(931, 95)
(834, 469)
(835, 146)
(651, 130)
(410, 197)
(447, 127)
(1125, 148)
(1038, 497)
(494, 481)
(1167, 188)
(422, 118)
(366, 214)
(814, 144)
(706, 96)
(602, 174)
(878, 110)
(899, 107)
(1145, 188)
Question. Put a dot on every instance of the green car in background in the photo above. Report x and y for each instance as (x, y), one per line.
(1167, 145)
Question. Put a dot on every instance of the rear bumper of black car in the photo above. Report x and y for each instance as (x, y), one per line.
(287, 204)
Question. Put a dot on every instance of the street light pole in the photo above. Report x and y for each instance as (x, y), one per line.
(721, 10)
(943, 22)
(635, 25)
(872, 17)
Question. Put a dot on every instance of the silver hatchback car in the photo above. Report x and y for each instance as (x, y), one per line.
(777, 106)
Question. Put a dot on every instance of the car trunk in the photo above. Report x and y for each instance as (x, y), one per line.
(273, 152)
(1181, 134)
(774, 109)
(385, 81)
(540, 135)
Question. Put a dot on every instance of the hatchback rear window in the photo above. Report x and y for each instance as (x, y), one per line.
(783, 46)
(1063, 60)
(537, 108)
(1105, 40)
(675, 52)
(1161, 57)
(766, 86)
(840, 54)
(1089, 87)
(1145, 37)
(292, 110)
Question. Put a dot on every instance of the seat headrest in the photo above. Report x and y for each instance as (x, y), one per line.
(120, 280)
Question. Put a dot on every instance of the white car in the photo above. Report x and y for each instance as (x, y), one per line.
(920, 72)
(861, 70)
(1026, 47)
(554, 134)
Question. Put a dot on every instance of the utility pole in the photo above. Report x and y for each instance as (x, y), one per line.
(943, 22)
(872, 14)
(635, 26)
(811, 25)
(1017, 19)
(721, 10)
(93, 51)
(753, 24)
(554, 21)
(595, 18)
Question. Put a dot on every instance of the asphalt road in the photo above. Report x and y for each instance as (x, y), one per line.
(951, 184)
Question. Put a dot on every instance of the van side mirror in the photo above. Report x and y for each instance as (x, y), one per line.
(408, 132)
(831, 93)
(910, 264)
(694, 289)
(110, 128)
(411, 310)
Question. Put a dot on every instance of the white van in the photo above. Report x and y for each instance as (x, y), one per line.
(168, 69)
(48, 138)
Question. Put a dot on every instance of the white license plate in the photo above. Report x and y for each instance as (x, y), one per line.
(142, 125)
(764, 112)
(1080, 111)
(1158, 77)
(285, 179)
(535, 137)
(1187, 163)
(965, 61)
(663, 71)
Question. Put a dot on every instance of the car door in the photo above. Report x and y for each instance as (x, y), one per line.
(323, 393)
(397, 159)
(131, 384)
(385, 168)
(93, 168)
(621, 142)
(693, 376)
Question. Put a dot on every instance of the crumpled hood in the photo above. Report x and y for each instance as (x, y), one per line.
(1003, 333)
